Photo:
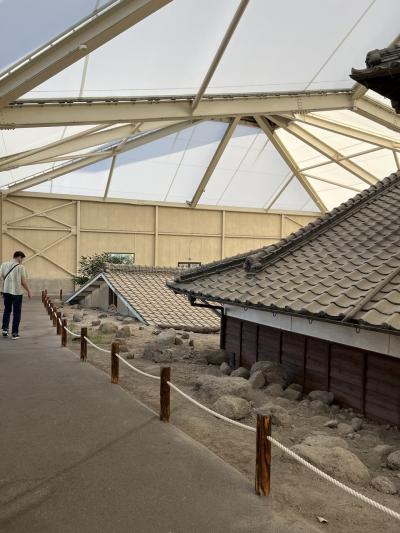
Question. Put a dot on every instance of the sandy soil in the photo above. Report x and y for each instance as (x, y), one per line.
(298, 496)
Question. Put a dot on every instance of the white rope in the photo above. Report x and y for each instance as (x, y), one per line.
(136, 369)
(294, 455)
(344, 487)
(71, 332)
(59, 321)
(214, 413)
(95, 346)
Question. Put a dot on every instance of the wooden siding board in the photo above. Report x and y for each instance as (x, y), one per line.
(248, 354)
(292, 355)
(269, 344)
(317, 365)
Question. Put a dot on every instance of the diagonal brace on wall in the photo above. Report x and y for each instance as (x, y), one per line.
(41, 213)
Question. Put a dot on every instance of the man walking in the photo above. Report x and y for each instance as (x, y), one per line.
(14, 279)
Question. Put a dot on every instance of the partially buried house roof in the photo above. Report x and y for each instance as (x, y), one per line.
(144, 290)
(343, 266)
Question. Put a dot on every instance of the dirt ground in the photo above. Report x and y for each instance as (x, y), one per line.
(298, 495)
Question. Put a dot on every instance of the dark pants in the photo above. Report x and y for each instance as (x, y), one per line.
(12, 303)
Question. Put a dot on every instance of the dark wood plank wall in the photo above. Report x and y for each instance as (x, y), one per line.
(366, 381)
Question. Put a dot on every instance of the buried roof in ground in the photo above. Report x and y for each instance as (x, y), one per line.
(144, 290)
(343, 266)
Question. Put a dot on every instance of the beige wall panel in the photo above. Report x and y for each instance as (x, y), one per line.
(174, 249)
(178, 220)
(257, 224)
(144, 250)
(292, 224)
(236, 246)
(98, 215)
(95, 243)
(65, 214)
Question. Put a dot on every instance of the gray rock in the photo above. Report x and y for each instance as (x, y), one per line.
(322, 395)
(393, 460)
(333, 423)
(292, 394)
(123, 348)
(119, 318)
(225, 369)
(96, 322)
(325, 441)
(165, 339)
(279, 415)
(76, 317)
(382, 450)
(344, 429)
(162, 356)
(240, 372)
(214, 357)
(276, 374)
(124, 331)
(130, 355)
(102, 315)
(191, 342)
(141, 328)
(274, 390)
(318, 408)
(112, 309)
(178, 341)
(213, 370)
(156, 331)
(335, 461)
(185, 335)
(384, 484)
(128, 320)
(232, 407)
(108, 327)
(356, 423)
(257, 379)
(211, 388)
(296, 386)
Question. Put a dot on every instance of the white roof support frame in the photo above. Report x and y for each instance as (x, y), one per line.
(214, 161)
(325, 149)
(378, 112)
(98, 156)
(282, 187)
(72, 45)
(220, 52)
(279, 146)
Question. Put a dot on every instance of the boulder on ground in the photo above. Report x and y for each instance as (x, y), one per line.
(123, 348)
(382, 450)
(128, 320)
(130, 355)
(108, 327)
(76, 317)
(292, 394)
(296, 386)
(336, 461)
(240, 372)
(344, 429)
(112, 309)
(260, 365)
(273, 372)
(318, 408)
(332, 423)
(191, 342)
(384, 484)
(102, 315)
(96, 322)
(178, 341)
(279, 415)
(232, 407)
(185, 335)
(356, 423)
(162, 356)
(325, 441)
(166, 339)
(322, 395)
(257, 379)
(225, 369)
(119, 318)
(214, 357)
(141, 328)
(274, 390)
(393, 460)
(211, 387)
(124, 331)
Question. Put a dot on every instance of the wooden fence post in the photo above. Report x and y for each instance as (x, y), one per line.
(42, 297)
(58, 323)
(64, 333)
(165, 393)
(114, 363)
(83, 344)
(61, 294)
(54, 316)
(263, 455)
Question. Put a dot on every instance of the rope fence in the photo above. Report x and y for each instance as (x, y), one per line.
(263, 430)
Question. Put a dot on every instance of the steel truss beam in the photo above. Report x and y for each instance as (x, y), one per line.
(281, 148)
(378, 112)
(331, 182)
(99, 156)
(220, 52)
(348, 131)
(324, 149)
(282, 187)
(39, 113)
(72, 45)
(214, 161)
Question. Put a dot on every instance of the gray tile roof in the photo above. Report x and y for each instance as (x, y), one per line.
(144, 288)
(343, 266)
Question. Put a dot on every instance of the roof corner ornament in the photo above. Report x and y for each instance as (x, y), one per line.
(253, 262)
(382, 74)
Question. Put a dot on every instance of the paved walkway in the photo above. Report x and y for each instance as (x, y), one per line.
(81, 455)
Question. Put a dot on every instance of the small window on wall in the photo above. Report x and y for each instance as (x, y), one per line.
(122, 258)
(188, 264)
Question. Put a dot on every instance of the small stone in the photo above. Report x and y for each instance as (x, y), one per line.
(178, 341)
(257, 380)
(102, 315)
(274, 390)
(356, 423)
(232, 407)
(333, 423)
(295, 386)
(292, 394)
(382, 450)
(225, 369)
(130, 355)
(191, 342)
(384, 484)
(96, 322)
(141, 328)
(156, 331)
(393, 460)
(76, 317)
(344, 429)
(240, 372)
(321, 395)
(185, 335)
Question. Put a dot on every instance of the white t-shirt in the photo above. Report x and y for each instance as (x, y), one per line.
(12, 284)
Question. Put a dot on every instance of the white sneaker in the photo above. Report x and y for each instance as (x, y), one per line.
(5, 333)
(15, 336)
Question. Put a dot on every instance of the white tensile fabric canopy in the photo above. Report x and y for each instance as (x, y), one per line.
(231, 103)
